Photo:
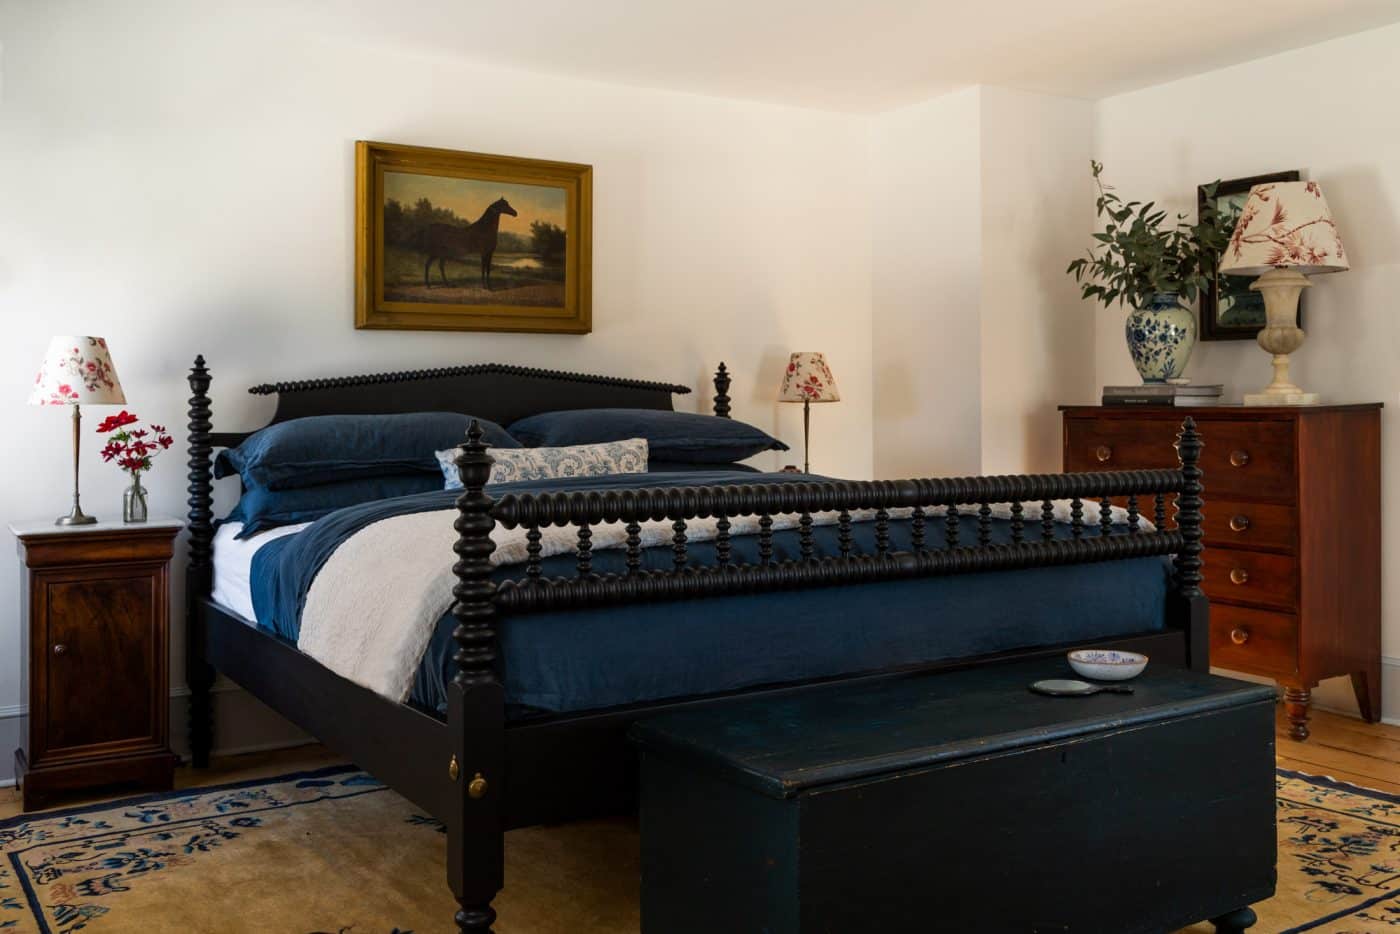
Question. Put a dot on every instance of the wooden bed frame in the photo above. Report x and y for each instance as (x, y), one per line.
(482, 775)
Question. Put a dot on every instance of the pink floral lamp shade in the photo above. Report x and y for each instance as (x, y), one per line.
(77, 371)
(808, 379)
(1285, 225)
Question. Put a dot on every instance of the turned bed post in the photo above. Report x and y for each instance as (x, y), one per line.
(199, 571)
(475, 705)
(722, 391)
(1192, 610)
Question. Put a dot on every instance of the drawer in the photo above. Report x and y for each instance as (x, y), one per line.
(1254, 641)
(1233, 524)
(1251, 577)
(1253, 460)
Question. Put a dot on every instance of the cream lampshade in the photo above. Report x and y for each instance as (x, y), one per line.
(1285, 234)
(77, 371)
(808, 379)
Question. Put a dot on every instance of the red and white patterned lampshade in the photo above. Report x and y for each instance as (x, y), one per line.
(77, 371)
(808, 379)
(1284, 225)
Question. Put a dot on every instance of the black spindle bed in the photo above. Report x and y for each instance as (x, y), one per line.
(482, 774)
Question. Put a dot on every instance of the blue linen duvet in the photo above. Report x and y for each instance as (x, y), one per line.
(605, 657)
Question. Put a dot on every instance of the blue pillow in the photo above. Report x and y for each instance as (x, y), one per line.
(261, 509)
(692, 466)
(670, 436)
(325, 448)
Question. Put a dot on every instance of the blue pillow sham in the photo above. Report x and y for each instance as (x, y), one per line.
(326, 448)
(261, 509)
(691, 466)
(670, 436)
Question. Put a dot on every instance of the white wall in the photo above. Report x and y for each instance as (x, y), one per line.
(1328, 110)
(1037, 208)
(181, 182)
(925, 162)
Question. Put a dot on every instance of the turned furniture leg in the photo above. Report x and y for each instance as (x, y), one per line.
(1367, 685)
(1236, 921)
(475, 919)
(1296, 701)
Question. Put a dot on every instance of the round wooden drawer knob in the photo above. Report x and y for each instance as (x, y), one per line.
(1239, 523)
(60, 649)
(1102, 453)
(1239, 458)
(1239, 635)
(1239, 576)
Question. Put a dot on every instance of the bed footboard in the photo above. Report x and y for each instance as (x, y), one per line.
(476, 702)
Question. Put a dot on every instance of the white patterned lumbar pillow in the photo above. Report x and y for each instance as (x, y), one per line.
(580, 460)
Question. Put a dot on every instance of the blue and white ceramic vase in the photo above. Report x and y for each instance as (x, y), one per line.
(1161, 338)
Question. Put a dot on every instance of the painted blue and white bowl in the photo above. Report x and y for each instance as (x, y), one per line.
(1107, 664)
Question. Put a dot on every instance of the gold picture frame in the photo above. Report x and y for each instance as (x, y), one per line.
(462, 241)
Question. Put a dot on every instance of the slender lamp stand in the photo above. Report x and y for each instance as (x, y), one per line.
(808, 379)
(77, 516)
(77, 371)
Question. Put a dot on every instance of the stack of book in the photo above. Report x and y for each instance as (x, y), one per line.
(1163, 394)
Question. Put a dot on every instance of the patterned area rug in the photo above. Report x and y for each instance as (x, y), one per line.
(334, 851)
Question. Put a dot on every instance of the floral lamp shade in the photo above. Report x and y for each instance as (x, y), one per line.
(77, 371)
(808, 379)
(1284, 225)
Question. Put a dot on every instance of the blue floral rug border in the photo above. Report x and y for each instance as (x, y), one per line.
(1324, 781)
(30, 816)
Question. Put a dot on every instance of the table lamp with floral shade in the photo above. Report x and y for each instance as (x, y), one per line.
(807, 380)
(1285, 234)
(77, 371)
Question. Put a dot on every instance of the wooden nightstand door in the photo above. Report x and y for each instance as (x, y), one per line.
(96, 665)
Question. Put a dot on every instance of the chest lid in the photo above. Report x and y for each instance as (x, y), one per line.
(783, 746)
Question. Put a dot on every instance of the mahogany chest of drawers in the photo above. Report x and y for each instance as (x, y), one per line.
(1292, 533)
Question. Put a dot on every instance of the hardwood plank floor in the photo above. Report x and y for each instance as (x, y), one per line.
(1346, 749)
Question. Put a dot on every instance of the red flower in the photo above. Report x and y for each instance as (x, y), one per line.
(138, 432)
(158, 429)
(113, 422)
(165, 441)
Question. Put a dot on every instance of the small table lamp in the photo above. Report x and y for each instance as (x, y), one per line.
(808, 379)
(77, 370)
(1285, 233)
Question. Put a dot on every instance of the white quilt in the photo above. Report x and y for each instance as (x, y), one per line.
(372, 608)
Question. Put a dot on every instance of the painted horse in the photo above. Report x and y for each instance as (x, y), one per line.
(442, 242)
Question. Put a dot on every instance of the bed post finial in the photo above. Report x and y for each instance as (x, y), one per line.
(475, 704)
(722, 391)
(198, 572)
(1187, 563)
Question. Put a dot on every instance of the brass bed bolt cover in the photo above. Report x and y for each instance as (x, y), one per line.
(477, 787)
(453, 769)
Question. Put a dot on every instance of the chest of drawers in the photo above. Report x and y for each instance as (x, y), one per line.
(1291, 531)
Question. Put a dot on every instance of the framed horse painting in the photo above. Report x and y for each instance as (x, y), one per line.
(460, 241)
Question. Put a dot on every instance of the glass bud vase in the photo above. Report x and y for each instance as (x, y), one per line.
(134, 501)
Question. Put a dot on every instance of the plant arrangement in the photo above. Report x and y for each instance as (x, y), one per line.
(1139, 254)
(133, 449)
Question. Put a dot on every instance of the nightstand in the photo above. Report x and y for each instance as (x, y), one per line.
(94, 656)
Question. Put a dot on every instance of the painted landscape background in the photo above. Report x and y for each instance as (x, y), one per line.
(527, 267)
(1238, 306)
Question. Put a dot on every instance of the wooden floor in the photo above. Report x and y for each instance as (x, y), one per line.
(1346, 749)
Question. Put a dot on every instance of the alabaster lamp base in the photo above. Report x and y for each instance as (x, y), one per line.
(1281, 336)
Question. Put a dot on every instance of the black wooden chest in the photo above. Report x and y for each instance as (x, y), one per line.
(961, 802)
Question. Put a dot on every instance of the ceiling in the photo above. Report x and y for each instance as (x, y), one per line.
(849, 55)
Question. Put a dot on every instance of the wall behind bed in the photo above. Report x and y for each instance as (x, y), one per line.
(180, 180)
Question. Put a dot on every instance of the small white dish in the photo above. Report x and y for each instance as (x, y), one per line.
(1107, 664)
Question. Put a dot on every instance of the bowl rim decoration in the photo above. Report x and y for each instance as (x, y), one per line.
(1108, 657)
